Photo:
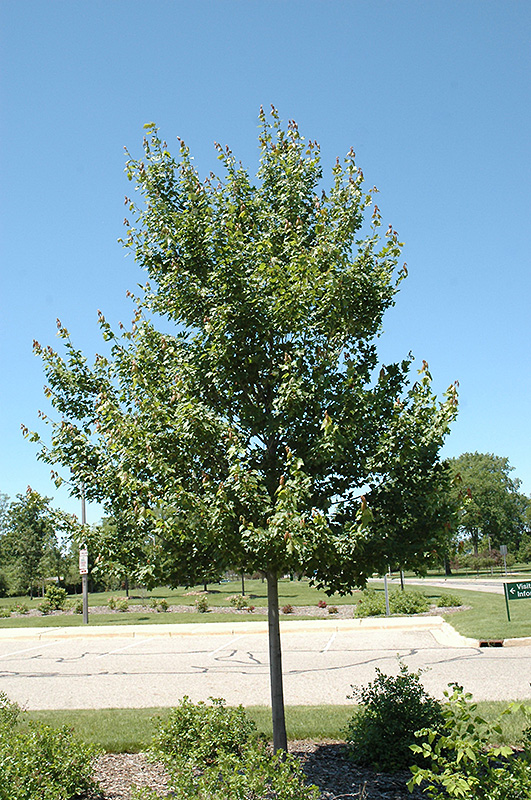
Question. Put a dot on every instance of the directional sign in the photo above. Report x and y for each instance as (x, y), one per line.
(518, 590)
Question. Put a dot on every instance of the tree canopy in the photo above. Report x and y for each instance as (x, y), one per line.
(491, 506)
(260, 433)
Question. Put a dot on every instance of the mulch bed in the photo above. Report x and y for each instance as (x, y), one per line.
(324, 763)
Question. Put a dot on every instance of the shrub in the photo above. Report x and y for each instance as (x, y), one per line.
(201, 732)
(122, 604)
(201, 603)
(287, 609)
(213, 753)
(163, 605)
(20, 608)
(111, 603)
(77, 605)
(45, 607)
(239, 601)
(463, 761)
(56, 596)
(448, 600)
(322, 604)
(41, 762)
(408, 602)
(332, 609)
(383, 730)
(4, 612)
(371, 604)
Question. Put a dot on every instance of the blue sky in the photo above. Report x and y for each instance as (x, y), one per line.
(433, 96)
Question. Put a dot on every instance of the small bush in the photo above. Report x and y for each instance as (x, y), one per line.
(332, 609)
(37, 761)
(463, 762)
(122, 604)
(322, 604)
(287, 609)
(56, 596)
(45, 607)
(408, 602)
(394, 707)
(77, 605)
(448, 600)
(201, 732)
(239, 601)
(371, 604)
(163, 605)
(111, 603)
(20, 608)
(4, 612)
(201, 604)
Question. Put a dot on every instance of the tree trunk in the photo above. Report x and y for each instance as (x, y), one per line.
(447, 567)
(280, 740)
(243, 584)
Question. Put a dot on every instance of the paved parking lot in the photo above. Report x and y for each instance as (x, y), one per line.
(157, 665)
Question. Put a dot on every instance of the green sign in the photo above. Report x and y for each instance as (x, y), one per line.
(517, 590)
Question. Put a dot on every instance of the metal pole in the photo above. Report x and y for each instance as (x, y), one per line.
(387, 610)
(506, 593)
(84, 578)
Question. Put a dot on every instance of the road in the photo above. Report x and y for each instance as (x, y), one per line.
(145, 666)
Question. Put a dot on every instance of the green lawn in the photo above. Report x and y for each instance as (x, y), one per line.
(128, 730)
(486, 618)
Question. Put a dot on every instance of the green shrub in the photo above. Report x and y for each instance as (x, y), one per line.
(213, 753)
(111, 603)
(448, 600)
(201, 604)
(56, 596)
(256, 774)
(77, 605)
(45, 607)
(408, 602)
(332, 609)
(239, 601)
(122, 604)
(394, 707)
(4, 612)
(464, 763)
(37, 761)
(20, 608)
(370, 604)
(200, 732)
(163, 605)
(287, 609)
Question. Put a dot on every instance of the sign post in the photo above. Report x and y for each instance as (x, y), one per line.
(516, 590)
(503, 551)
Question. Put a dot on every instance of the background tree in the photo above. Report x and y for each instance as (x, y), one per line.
(248, 437)
(491, 507)
(32, 547)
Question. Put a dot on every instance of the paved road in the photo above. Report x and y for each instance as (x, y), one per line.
(156, 665)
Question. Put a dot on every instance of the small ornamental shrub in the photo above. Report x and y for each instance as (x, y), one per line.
(45, 607)
(201, 603)
(408, 602)
(163, 605)
(448, 600)
(111, 603)
(20, 608)
(322, 604)
(380, 735)
(122, 604)
(332, 609)
(239, 601)
(37, 761)
(200, 732)
(56, 596)
(287, 609)
(463, 761)
(77, 606)
(213, 753)
(4, 612)
(370, 604)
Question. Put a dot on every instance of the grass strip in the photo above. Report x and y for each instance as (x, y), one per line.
(129, 730)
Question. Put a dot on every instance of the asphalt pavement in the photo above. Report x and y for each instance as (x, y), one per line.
(155, 665)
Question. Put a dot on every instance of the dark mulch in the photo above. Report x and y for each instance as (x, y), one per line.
(324, 763)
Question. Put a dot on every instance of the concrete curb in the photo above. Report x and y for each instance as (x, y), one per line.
(209, 628)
